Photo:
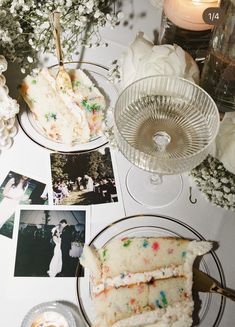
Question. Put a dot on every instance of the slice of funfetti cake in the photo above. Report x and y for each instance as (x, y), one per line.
(65, 116)
(57, 113)
(143, 281)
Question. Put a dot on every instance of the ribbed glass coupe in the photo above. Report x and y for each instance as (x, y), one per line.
(164, 125)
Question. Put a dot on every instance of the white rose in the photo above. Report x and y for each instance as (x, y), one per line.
(143, 58)
(225, 142)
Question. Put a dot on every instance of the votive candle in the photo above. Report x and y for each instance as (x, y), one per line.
(187, 14)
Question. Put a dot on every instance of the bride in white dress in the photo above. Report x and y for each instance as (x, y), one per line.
(90, 184)
(56, 261)
(13, 193)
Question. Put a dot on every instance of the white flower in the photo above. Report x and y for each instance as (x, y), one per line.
(3, 13)
(30, 59)
(78, 23)
(81, 9)
(68, 3)
(224, 180)
(109, 17)
(120, 15)
(45, 25)
(144, 59)
(89, 4)
(38, 12)
(218, 194)
(225, 142)
(97, 14)
(226, 189)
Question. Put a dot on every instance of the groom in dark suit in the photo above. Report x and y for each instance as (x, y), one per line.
(66, 238)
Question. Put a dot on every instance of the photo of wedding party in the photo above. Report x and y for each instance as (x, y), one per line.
(86, 178)
(50, 242)
(18, 189)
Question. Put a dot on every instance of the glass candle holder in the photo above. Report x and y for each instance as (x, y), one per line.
(218, 75)
(183, 24)
(49, 314)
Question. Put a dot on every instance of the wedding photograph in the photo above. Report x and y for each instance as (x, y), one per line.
(17, 189)
(50, 242)
(83, 179)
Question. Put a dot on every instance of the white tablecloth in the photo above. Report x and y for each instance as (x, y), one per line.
(19, 294)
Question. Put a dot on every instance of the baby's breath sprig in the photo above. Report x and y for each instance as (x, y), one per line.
(25, 30)
(114, 73)
(215, 182)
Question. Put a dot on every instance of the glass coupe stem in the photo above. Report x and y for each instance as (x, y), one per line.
(156, 179)
(161, 140)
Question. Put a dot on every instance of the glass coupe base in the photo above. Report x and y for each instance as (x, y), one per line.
(144, 188)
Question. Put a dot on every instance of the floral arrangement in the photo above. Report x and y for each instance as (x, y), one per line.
(216, 182)
(25, 29)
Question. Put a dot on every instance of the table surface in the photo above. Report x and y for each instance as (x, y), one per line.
(19, 294)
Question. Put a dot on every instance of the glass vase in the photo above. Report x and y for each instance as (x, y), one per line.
(183, 24)
(218, 75)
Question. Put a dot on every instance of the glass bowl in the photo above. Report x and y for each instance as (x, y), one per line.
(165, 124)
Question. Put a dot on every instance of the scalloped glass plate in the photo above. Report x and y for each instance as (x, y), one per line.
(32, 129)
(209, 307)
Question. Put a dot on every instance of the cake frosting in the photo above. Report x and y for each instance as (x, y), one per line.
(143, 281)
(66, 116)
(126, 278)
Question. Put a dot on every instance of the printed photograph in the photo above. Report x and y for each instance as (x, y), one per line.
(50, 242)
(83, 179)
(18, 189)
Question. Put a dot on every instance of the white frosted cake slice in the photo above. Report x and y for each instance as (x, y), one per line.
(143, 281)
(62, 115)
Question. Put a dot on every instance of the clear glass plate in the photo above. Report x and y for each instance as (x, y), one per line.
(33, 130)
(209, 307)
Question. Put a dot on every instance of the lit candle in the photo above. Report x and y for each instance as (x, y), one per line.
(187, 14)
